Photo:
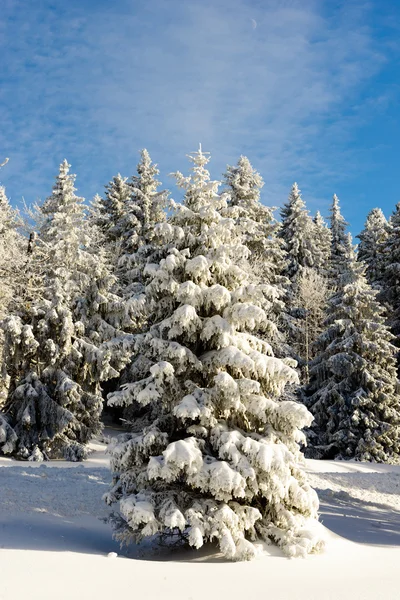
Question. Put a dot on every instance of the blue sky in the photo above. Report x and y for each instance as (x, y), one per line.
(310, 94)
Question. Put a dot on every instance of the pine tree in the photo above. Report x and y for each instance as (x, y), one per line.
(13, 262)
(12, 253)
(267, 254)
(354, 393)
(106, 217)
(54, 361)
(299, 239)
(323, 242)
(113, 207)
(297, 234)
(371, 249)
(390, 283)
(96, 216)
(214, 454)
(340, 248)
(139, 235)
(144, 216)
(103, 314)
(148, 197)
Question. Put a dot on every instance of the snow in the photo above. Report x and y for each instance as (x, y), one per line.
(352, 486)
(51, 528)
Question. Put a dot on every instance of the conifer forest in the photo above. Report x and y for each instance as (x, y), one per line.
(228, 341)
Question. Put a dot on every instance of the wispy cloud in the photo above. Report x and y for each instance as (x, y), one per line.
(97, 81)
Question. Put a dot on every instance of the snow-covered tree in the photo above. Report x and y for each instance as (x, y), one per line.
(214, 454)
(372, 245)
(151, 201)
(354, 393)
(108, 217)
(103, 313)
(267, 255)
(53, 353)
(300, 242)
(138, 242)
(390, 282)
(323, 242)
(297, 234)
(139, 237)
(116, 201)
(13, 260)
(13, 252)
(340, 248)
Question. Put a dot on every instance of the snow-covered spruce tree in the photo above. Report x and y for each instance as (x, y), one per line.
(111, 209)
(146, 210)
(117, 198)
(138, 235)
(13, 259)
(148, 197)
(297, 233)
(267, 255)
(13, 250)
(371, 249)
(138, 244)
(99, 221)
(353, 392)
(103, 313)
(108, 217)
(390, 283)
(55, 368)
(215, 455)
(340, 248)
(309, 294)
(13, 253)
(300, 240)
(323, 242)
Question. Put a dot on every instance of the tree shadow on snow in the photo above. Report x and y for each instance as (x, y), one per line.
(358, 520)
(61, 510)
(209, 553)
(89, 535)
(54, 509)
(49, 533)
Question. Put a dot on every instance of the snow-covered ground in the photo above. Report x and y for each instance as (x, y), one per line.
(55, 545)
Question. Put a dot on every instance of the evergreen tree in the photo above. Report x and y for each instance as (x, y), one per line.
(297, 234)
(107, 217)
(371, 249)
(214, 454)
(52, 355)
(139, 243)
(139, 235)
(267, 254)
(13, 275)
(148, 197)
(299, 239)
(354, 393)
(323, 242)
(340, 248)
(103, 314)
(390, 283)
(12, 253)
(110, 210)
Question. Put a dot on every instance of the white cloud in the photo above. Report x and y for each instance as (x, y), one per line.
(97, 87)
